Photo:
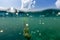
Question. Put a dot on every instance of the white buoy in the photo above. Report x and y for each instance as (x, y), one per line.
(27, 14)
(7, 13)
(27, 24)
(1, 31)
(16, 13)
(58, 14)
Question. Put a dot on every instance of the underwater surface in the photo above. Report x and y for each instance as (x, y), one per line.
(43, 25)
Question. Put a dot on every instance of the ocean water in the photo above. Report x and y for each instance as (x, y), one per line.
(41, 27)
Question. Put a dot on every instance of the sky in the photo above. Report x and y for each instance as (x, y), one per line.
(30, 4)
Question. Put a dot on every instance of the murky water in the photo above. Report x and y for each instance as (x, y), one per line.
(40, 27)
(47, 28)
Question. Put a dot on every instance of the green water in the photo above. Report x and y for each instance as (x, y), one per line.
(41, 28)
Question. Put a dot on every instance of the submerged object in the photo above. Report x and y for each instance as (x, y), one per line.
(26, 32)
